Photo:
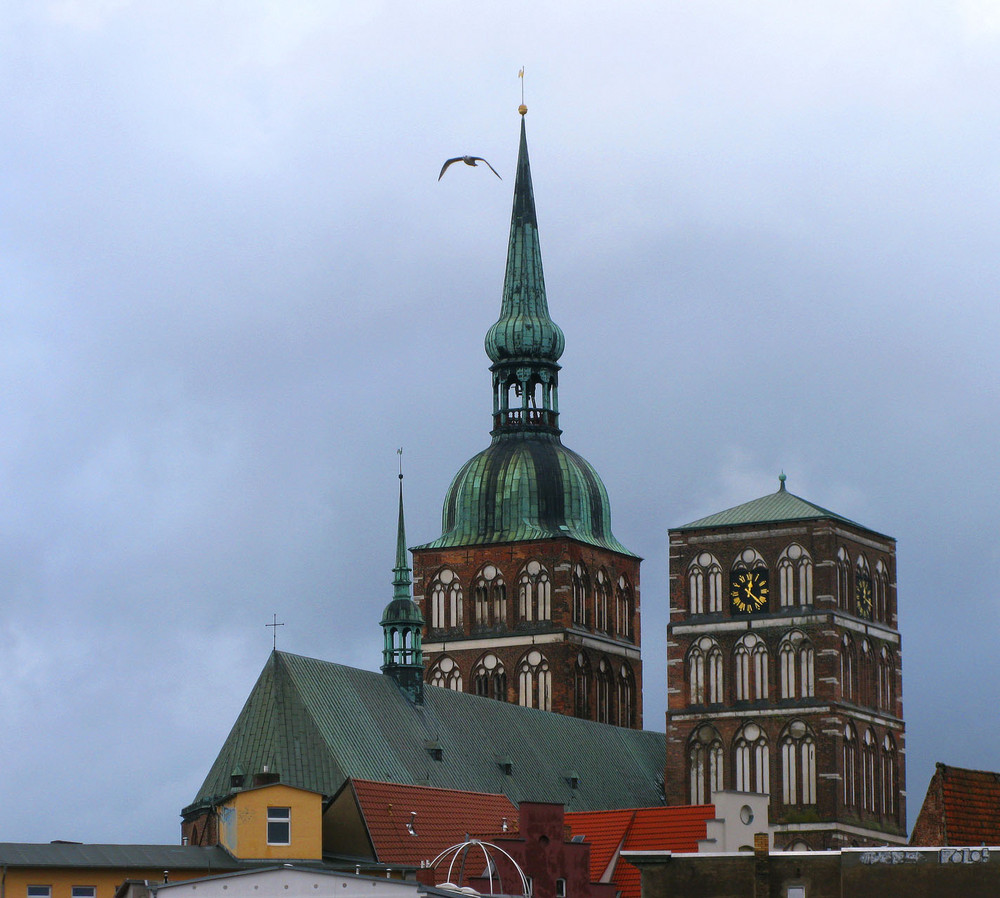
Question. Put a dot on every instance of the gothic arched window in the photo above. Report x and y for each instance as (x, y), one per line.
(705, 584)
(534, 592)
(798, 764)
(623, 608)
(869, 770)
(602, 601)
(535, 681)
(866, 675)
(751, 760)
(751, 663)
(886, 681)
(446, 600)
(604, 691)
(445, 673)
(795, 576)
(490, 597)
(706, 766)
(626, 697)
(880, 586)
(843, 578)
(581, 687)
(848, 672)
(581, 595)
(850, 763)
(705, 672)
(796, 659)
(490, 678)
(890, 777)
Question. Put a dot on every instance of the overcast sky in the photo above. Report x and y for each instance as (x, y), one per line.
(233, 286)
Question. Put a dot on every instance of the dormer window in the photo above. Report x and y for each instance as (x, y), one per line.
(279, 826)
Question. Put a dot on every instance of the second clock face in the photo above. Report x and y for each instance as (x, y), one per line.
(864, 597)
(748, 591)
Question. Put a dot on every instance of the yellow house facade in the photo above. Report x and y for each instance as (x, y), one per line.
(273, 822)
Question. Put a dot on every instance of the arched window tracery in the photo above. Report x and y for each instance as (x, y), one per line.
(446, 600)
(581, 686)
(869, 769)
(534, 592)
(446, 673)
(705, 584)
(581, 595)
(626, 697)
(798, 764)
(623, 608)
(535, 681)
(890, 777)
(602, 601)
(751, 760)
(880, 585)
(843, 578)
(795, 576)
(751, 668)
(490, 597)
(850, 765)
(797, 662)
(604, 691)
(705, 683)
(706, 766)
(490, 678)
(848, 670)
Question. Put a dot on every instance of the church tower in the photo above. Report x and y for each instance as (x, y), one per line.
(784, 671)
(527, 595)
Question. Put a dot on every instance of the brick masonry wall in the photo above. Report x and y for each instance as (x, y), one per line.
(560, 638)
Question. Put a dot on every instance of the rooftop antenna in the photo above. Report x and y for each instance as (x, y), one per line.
(274, 630)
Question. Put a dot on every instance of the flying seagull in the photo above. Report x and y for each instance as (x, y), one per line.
(468, 160)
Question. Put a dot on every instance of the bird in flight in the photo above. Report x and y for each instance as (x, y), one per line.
(468, 160)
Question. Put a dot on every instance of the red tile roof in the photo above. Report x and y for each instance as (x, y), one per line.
(970, 803)
(443, 818)
(675, 829)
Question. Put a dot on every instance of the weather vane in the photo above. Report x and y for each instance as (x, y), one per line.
(274, 630)
(522, 108)
(399, 452)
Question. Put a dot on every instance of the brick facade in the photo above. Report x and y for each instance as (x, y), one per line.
(802, 698)
(500, 621)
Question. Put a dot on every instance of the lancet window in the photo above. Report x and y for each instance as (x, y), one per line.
(535, 681)
(751, 760)
(490, 597)
(490, 678)
(843, 578)
(796, 659)
(534, 591)
(750, 669)
(705, 584)
(795, 576)
(706, 767)
(798, 764)
(602, 601)
(705, 672)
(623, 608)
(446, 600)
(626, 697)
(604, 691)
(581, 687)
(581, 595)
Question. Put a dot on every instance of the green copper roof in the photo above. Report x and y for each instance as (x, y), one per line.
(318, 723)
(524, 329)
(402, 609)
(526, 487)
(774, 508)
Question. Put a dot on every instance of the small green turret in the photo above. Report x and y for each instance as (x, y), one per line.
(402, 624)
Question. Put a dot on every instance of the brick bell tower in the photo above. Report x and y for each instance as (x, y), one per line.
(527, 596)
(784, 671)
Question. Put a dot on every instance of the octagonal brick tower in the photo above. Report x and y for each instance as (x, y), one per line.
(527, 596)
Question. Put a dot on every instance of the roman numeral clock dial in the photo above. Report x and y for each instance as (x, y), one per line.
(748, 591)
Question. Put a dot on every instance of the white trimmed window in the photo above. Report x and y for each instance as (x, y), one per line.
(39, 891)
(279, 826)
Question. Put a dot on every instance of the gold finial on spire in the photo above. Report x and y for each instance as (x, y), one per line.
(522, 108)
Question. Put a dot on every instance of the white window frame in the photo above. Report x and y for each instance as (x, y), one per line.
(279, 816)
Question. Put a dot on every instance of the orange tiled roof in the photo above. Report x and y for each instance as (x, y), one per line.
(639, 829)
(970, 805)
(443, 817)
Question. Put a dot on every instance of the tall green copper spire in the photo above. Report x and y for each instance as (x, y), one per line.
(525, 343)
(402, 623)
(527, 485)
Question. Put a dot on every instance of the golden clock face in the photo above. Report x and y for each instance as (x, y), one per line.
(864, 597)
(748, 591)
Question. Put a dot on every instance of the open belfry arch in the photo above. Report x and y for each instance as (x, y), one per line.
(527, 596)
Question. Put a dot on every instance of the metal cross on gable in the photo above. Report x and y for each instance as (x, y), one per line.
(274, 630)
